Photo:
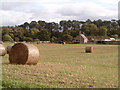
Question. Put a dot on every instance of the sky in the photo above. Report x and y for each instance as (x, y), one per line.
(16, 12)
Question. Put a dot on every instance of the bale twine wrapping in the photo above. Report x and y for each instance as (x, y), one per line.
(9, 48)
(2, 50)
(89, 49)
(22, 53)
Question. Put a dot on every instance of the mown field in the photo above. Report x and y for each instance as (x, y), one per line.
(65, 66)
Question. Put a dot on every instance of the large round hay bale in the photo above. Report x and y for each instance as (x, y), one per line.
(89, 49)
(2, 50)
(9, 48)
(22, 53)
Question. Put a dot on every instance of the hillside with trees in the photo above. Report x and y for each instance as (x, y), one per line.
(62, 31)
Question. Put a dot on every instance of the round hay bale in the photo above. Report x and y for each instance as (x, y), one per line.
(22, 53)
(9, 48)
(63, 43)
(38, 42)
(89, 49)
(2, 50)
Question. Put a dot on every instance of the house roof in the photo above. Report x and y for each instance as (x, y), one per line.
(82, 35)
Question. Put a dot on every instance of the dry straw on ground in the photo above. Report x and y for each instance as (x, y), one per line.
(2, 50)
(89, 49)
(22, 53)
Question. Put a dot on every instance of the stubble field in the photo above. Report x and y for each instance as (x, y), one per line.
(65, 66)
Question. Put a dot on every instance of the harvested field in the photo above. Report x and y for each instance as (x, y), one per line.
(65, 66)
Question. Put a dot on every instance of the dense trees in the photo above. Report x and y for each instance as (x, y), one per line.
(90, 29)
(62, 31)
(67, 38)
(43, 35)
(103, 31)
(7, 37)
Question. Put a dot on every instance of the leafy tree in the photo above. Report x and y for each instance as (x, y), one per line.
(64, 24)
(103, 31)
(28, 39)
(118, 22)
(51, 31)
(35, 40)
(118, 31)
(7, 38)
(57, 34)
(17, 39)
(54, 39)
(26, 25)
(93, 29)
(33, 33)
(74, 33)
(88, 21)
(33, 24)
(67, 37)
(98, 23)
(90, 30)
(12, 35)
(66, 32)
(20, 35)
(75, 24)
(43, 35)
(42, 23)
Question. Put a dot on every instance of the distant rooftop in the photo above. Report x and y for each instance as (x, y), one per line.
(83, 36)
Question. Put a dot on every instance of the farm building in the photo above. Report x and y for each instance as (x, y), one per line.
(82, 38)
(107, 41)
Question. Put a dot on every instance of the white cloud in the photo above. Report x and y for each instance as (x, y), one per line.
(88, 10)
(37, 1)
(18, 12)
(109, 1)
(13, 18)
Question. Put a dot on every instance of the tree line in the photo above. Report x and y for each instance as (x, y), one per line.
(65, 30)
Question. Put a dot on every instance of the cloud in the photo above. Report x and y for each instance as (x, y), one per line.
(87, 10)
(14, 5)
(15, 12)
(13, 18)
(119, 11)
(109, 1)
(43, 1)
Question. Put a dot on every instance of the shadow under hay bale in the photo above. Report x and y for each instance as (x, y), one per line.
(89, 49)
(2, 50)
(9, 48)
(22, 53)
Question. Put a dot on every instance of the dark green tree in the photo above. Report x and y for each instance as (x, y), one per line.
(7, 37)
(43, 35)
(67, 37)
(103, 31)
